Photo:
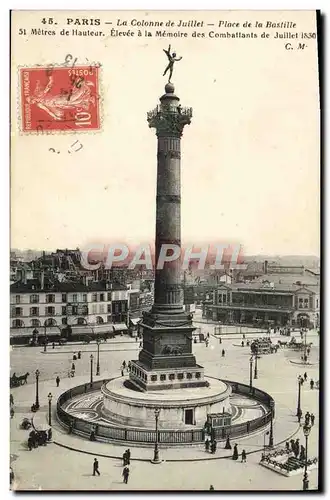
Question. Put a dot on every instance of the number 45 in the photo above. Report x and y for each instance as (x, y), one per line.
(50, 20)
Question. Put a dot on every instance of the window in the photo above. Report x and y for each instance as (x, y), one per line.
(224, 299)
(198, 375)
(317, 303)
(18, 311)
(99, 320)
(189, 375)
(34, 299)
(180, 376)
(94, 297)
(94, 309)
(34, 311)
(63, 310)
(109, 296)
(64, 321)
(153, 378)
(102, 297)
(108, 319)
(18, 299)
(17, 323)
(35, 322)
(74, 310)
(85, 297)
(81, 321)
(109, 308)
(50, 297)
(163, 377)
(171, 376)
(50, 311)
(101, 309)
(64, 299)
(74, 298)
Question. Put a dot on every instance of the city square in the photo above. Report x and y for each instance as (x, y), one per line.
(74, 455)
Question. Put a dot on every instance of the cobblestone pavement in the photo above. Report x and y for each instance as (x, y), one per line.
(56, 467)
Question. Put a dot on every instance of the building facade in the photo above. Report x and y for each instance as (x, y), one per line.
(43, 304)
(265, 303)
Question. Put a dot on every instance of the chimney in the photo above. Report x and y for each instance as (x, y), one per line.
(24, 278)
(266, 267)
(42, 280)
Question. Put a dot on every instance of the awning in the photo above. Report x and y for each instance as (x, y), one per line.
(120, 327)
(135, 321)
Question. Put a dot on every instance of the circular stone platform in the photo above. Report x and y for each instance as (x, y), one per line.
(179, 407)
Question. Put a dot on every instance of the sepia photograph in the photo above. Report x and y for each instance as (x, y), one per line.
(165, 289)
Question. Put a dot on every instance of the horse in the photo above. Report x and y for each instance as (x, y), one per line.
(23, 378)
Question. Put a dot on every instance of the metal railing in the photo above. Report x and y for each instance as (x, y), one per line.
(169, 437)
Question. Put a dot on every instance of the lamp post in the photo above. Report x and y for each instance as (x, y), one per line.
(156, 459)
(306, 430)
(256, 364)
(251, 361)
(45, 340)
(37, 390)
(91, 358)
(98, 341)
(299, 396)
(50, 396)
(271, 437)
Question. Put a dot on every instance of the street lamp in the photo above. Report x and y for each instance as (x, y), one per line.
(92, 357)
(271, 437)
(50, 396)
(37, 406)
(98, 341)
(306, 430)
(45, 340)
(156, 459)
(256, 364)
(251, 361)
(299, 395)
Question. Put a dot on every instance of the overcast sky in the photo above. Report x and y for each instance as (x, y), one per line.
(250, 158)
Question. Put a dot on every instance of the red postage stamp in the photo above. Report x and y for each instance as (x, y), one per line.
(60, 98)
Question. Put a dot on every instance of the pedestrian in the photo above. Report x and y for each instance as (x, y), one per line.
(308, 351)
(287, 446)
(11, 400)
(122, 372)
(128, 457)
(223, 353)
(49, 434)
(126, 474)
(243, 456)
(12, 412)
(302, 455)
(58, 380)
(235, 453)
(73, 367)
(213, 447)
(207, 444)
(30, 446)
(312, 418)
(227, 445)
(53, 345)
(299, 415)
(312, 384)
(305, 376)
(242, 343)
(220, 341)
(307, 418)
(96, 467)
(79, 354)
(292, 444)
(124, 365)
(243, 336)
(211, 488)
(296, 450)
(125, 458)
(208, 335)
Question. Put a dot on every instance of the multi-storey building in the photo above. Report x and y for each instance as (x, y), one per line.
(55, 305)
(265, 303)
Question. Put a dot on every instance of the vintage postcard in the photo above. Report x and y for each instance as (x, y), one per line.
(165, 251)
